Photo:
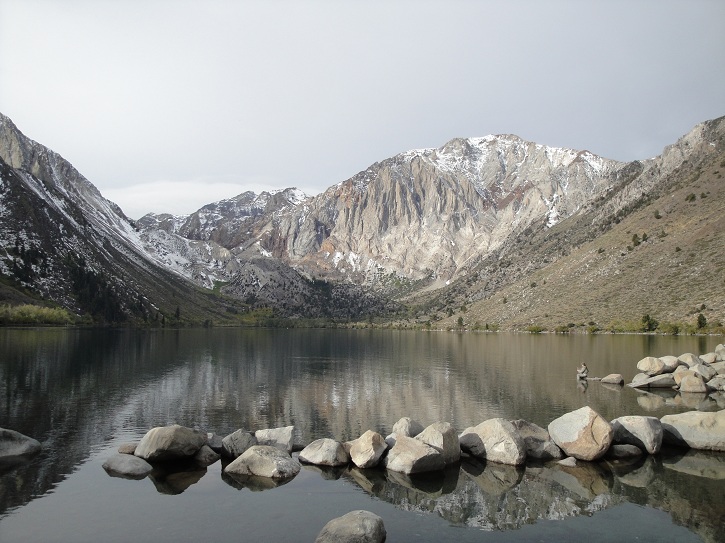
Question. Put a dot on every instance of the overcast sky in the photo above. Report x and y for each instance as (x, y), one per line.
(166, 105)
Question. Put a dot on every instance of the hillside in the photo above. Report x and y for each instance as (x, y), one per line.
(659, 252)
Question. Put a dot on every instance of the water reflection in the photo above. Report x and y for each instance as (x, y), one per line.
(78, 390)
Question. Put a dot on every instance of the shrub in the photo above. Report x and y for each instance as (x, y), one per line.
(690, 197)
(657, 214)
(649, 324)
(701, 321)
(34, 314)
(669, 328)
(535, 329)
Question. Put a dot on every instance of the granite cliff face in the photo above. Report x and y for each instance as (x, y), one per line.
(431, 213)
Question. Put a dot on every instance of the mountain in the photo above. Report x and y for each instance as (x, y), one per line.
(428, 236)
(62, 242)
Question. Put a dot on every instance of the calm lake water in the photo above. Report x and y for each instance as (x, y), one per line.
(81, 393)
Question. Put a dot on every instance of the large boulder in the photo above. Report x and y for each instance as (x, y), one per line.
(495, 440)
(720, 352)
(717, 383)
(407, 427)
(681, 373)
(643, 432)
(651, 366)
(709, 358)
(366, 451)
(689, 359)
(719, 367)
(410, 455)
(282, 438)
(16, 445)
(583, 434)
(442, 437)
(664, 380)
(127, 466)
(325, 452)
(671, 363)
(169, 443)
(354, 527)
(693, 383)
(705, 370)
(236, 443)
(695, 429)
(537, 440)
(264, 461)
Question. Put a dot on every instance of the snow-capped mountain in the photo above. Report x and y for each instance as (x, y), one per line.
(415, 222)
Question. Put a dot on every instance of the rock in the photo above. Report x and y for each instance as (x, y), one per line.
(681, 374)
(127, 448)
(583, 434)
(264, 461)
(568, 462)
(15, 444)
(236, 443)
(366, 451)
(717, 383)
(613, 379)
(720, 352)
(215, 442)
(695, 429)
(537, 440)
(127, 466)
(282, 438)
(496, 440)
(709, 358)
(407, 427)
(651, 366)
(624, 451)
(442, 437)
(354, 527)
(689, 359)
(671, 363)
(325, 452)
(169, 443)
(665, 380)
(206, 456)
(693, 383)
(719, 367)
(642, 432)
(705, 370)
(413, 456)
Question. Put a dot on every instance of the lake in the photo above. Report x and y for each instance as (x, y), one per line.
(82, 393)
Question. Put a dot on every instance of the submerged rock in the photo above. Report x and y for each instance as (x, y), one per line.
(354, 527)
(15, 444)
(127, 466)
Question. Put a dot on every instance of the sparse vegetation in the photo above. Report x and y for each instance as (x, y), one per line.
(33, 314)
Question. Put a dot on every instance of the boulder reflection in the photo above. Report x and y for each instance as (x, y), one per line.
(494, 496)
(175, 477)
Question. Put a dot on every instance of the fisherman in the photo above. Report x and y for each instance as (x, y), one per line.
(582, 371)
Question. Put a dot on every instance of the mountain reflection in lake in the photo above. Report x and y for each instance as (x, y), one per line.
(83, 392)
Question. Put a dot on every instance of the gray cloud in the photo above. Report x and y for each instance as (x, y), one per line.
(168, 105)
